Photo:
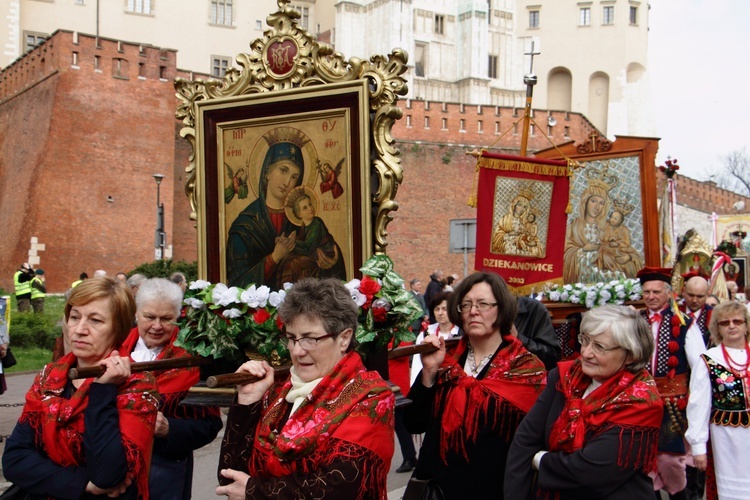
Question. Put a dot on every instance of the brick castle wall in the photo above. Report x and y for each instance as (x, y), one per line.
(86, 122)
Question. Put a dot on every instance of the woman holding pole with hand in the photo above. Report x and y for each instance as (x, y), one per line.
(327, 432)
(87, 438)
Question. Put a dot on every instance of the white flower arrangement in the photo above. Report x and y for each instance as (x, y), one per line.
(591, 295)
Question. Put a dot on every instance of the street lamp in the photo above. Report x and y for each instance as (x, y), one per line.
(160, 238)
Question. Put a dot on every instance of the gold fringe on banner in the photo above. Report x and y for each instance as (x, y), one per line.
(475, 185)
(539, 287)
(523, 166)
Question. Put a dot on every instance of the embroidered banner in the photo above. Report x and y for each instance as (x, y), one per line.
(521, 219)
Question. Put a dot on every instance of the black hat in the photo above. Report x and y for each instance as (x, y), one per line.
(655, 274)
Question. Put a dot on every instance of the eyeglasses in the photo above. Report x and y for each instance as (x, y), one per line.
(584, 340)
(735, 322)
(306, 343)
(481, 306)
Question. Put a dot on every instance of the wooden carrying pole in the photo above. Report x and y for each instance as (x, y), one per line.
(230, 379)
(141, 366)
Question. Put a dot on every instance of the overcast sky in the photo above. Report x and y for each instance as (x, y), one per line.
(699, 60)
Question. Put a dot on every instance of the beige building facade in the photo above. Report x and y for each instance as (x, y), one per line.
(592, 54)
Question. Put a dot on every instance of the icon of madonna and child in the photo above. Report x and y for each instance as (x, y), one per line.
(597, 243)
(279, 237)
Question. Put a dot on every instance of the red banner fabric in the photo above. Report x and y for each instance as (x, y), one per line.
(521, 219)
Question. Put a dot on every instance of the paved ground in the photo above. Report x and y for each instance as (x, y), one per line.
(206, 459)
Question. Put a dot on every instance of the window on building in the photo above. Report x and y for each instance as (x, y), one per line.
(74, 61)
(33, 39)
(420, 59)
(120, 68)
(219, 65)
(566, 131)
(584, 16)
(492, 67)
(533, 19)
(141, 70)
(140, 6)
(439, 24)
(633, 14)
(426, 122)
(445, 124)
(221, 12)
(304, 20)
(462, 125)
(408, 120)
(480, 126)
(97, 63)
(497, 127)
(608, 16)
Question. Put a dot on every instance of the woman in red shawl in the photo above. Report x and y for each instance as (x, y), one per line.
(180, 429)
(468, 401)
(325, 433)
(594, 431)
(87, 438)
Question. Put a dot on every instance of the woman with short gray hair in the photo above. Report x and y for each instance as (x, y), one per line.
(594, 431)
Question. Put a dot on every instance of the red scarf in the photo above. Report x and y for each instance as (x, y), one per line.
(350, 405)
(513, 381)
(628, 400)
(58, 422)
(173, 383)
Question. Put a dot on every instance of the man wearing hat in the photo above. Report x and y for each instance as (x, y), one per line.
(22, 283)
(678, 345)
(38, 291)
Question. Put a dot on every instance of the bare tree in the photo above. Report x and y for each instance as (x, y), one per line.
(736, 174)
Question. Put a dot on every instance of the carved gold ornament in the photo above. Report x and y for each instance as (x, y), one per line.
(289, 57)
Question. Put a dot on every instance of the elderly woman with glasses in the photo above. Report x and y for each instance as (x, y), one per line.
(593, 433)
(469, 400)
(327, 432)
(718, 405)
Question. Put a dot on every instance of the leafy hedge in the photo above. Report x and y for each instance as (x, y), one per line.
(34, 330)
(164, 268)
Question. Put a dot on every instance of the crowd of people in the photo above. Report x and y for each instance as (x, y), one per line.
(654, 400)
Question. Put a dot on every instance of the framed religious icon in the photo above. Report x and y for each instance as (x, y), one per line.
(737, 271)
(293, 172)
(284, 176)
(613, 224)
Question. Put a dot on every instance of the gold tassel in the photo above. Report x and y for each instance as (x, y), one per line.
(475, 187)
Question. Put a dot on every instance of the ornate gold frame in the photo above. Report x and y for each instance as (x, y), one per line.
(312, 63)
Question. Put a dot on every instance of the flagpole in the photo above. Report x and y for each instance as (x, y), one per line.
(530, 81)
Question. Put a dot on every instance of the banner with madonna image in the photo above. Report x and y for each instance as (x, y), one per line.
(522, 207)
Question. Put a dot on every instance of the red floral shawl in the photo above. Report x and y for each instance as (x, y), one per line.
(350, 405)
(58, 422)
(628, 400)
(513, 381)
(173, 383)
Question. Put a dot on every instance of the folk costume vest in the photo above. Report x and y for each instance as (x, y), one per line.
(730, 404)
(671, 375)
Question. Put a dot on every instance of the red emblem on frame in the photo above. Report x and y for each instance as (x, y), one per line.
(280, 57)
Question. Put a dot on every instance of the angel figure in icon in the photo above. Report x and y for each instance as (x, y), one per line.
(329, 178)
(237, 183)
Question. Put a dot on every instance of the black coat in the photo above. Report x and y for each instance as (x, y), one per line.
(589, 473)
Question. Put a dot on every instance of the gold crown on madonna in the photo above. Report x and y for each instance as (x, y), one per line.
(622, 206)
(286, 134)
(526, 192)
(603, 178)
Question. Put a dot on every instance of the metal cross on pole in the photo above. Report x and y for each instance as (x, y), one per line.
(530, 80)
